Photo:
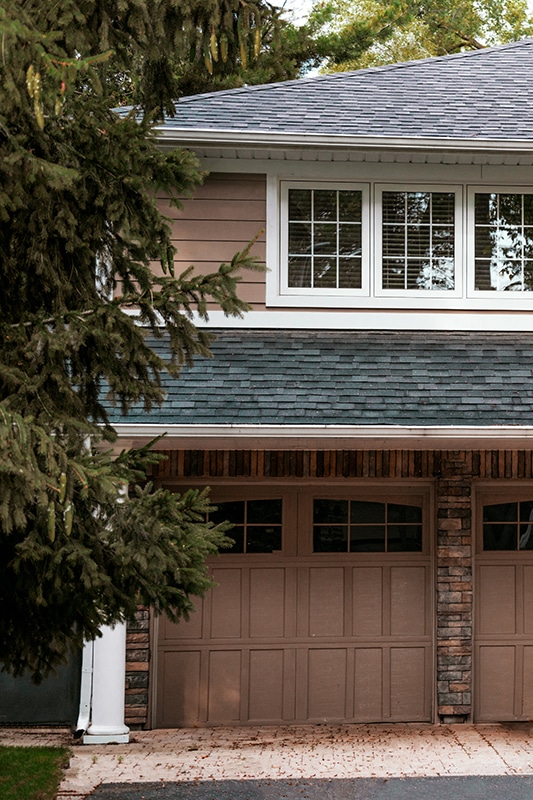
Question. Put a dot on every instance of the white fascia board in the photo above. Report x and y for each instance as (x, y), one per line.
(235, 138)
(304, 437)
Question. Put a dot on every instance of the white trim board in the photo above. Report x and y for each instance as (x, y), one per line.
(330, 437)
(372, 320)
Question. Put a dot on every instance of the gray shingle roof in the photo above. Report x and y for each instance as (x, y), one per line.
(354, 378)
(484, 94)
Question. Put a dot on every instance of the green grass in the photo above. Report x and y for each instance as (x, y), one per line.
(31, 773)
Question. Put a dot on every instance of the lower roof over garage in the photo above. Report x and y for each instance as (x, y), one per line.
(292, 377)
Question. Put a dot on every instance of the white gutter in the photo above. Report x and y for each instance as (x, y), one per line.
(303, 437)
(304, 140)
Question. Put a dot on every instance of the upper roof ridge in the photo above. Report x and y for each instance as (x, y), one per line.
(334, 76)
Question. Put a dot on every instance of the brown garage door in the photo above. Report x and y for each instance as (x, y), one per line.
(321, 613)
(504, 608)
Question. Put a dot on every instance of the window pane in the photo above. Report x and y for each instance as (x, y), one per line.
(404, 538)
(511, 209)
(300, 204)
(350, 273)
(299, 271)
(443, 241)
(367, 538)
(418, 239)
(263, 538)
(499, 537)
(361, 511)
(350, 205)
(393, 273)
(443, 208)
(394, 240)
(330, 511)
(237, 534)
(330, 539)
(259, 511)
(418, 207)
(325, 239)
(483, 279)
(299, 238)
(325, 204)
(486, 208)
(393, 207)
(501, 512)
(401, 513)
(232, 511)
(325, 273)
(349, 240)
(484, 242)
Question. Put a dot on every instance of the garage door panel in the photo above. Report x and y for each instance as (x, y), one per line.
(408, 592)
(368, 679)
(496, 599)
(224, 692)
(267, 603)
(185, 629)
(495, 682)
(528, 599)
(527, 683)
(225, 597)
(178, 688)
(326, 684)
(408, 683)
(326, 601)
(367, 593)
(266, 685)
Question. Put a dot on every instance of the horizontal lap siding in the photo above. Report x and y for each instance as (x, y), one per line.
(511, 464)
(222, 218)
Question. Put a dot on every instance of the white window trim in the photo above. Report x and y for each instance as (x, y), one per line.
(311, 295)
(503, 298)
(463, 299)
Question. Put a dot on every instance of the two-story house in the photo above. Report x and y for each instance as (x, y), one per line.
(368, 426)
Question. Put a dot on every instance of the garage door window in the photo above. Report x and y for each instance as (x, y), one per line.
(357, 526)
(508, 526)
(257, 524)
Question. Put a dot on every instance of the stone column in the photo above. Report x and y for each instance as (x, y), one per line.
(454, 593)
(109, 662)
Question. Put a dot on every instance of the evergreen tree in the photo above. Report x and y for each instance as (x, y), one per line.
(79, 234)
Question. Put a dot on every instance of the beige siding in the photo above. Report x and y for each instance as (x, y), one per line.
(222, 217)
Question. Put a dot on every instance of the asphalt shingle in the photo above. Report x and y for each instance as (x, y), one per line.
(290, 377)
(483, 94)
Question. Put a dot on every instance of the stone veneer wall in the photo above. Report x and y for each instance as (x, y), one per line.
(453, 473)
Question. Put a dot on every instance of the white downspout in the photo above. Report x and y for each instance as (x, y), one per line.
(86, 690)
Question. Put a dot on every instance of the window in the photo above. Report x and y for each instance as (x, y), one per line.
(257, 524)
(503, 242)
(358, 526)
(508, 526)
(325, 238)
(418, 240)
(406, 245)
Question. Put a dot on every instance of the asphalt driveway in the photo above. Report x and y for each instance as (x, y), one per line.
(501, 787)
